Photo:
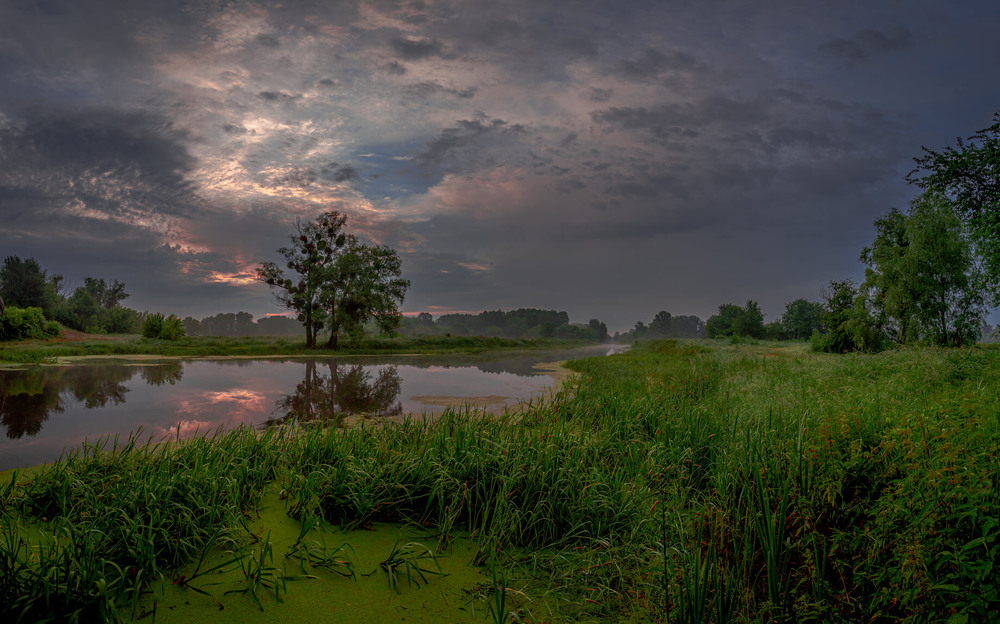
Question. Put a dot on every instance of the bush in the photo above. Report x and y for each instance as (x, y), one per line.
(26, 324)
(817, 342)
(121, 321)
(165, 328)
(53, 329)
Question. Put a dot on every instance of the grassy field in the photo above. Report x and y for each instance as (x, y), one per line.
(33, 352)
(679, 482)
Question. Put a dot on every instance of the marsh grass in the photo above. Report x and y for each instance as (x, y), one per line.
(675, 483)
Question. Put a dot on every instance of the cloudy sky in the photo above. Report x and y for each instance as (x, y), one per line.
(610, 159)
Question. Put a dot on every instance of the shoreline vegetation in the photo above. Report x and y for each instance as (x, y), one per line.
(681, 482)
(84, 345)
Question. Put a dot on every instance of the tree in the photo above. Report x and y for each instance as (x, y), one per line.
(947, 287)
(96, 308)
(922, 280)
(751, 322)
(801, 318)
(723, 324)
(25, 284)
(661, 325)
(599, 329)
(192, 326)
(162, 327)
(968, 174)
(889, 286)
(311, 256)
(776, 330)
(365, 285)
(108, 296)
(733, 320)
(336, 281)
(838, 334)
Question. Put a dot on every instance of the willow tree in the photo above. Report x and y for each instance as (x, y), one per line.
(922, 278)
(335, 281)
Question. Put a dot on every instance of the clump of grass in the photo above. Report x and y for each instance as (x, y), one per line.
(412, 560)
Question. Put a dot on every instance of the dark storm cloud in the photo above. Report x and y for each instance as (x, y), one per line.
(682, 120)
(551, 36)
(461, 146)
(267, 41)
(279, 96)
(416, 49)
(235, 128)
(394, 68)
(654, 62)
(430, 89)
(111, 161)
(302, 177)
(866, 43)
(340, 173)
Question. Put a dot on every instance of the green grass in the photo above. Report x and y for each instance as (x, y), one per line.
(679, 482)
(34, 352)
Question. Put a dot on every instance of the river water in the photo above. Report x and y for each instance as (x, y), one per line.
(46, 409)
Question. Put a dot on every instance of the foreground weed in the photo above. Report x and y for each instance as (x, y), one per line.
(319, 555)
(261, 574)
(412, 560)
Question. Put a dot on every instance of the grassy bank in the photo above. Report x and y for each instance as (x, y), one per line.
(673, 483)
(29, 352)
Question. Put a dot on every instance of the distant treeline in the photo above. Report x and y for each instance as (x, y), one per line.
(522, 323)
(241, 324)
(664, 325)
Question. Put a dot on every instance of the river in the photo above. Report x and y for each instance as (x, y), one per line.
(45, 410)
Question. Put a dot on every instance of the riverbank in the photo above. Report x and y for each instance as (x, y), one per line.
(119, 346)
(677, 482)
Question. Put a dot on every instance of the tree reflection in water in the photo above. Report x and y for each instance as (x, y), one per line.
(27, 397)
(329, 397)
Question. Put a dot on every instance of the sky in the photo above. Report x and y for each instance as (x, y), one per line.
(609, 159)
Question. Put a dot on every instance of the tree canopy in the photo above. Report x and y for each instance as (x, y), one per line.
(921, 283)
(25, 284)
(335, 281)
(802, 318)
(94, 307)
(732, 320)
(968, 174)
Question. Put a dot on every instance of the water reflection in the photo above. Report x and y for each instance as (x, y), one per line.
(331, 391)
(28, 397)
(45, 409)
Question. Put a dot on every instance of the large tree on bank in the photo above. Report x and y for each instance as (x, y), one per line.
(968, 174)
(334, 281)
(922, 279)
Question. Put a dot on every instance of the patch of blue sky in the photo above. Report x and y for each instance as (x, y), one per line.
(392, 171)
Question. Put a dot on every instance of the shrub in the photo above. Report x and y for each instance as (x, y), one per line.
(53, 329)
(121, 321)
(165, 328)
(26, 324)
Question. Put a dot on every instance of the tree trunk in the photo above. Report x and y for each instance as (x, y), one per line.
(310, 336)
(334, 338)
(2, 306)
(334, 330)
